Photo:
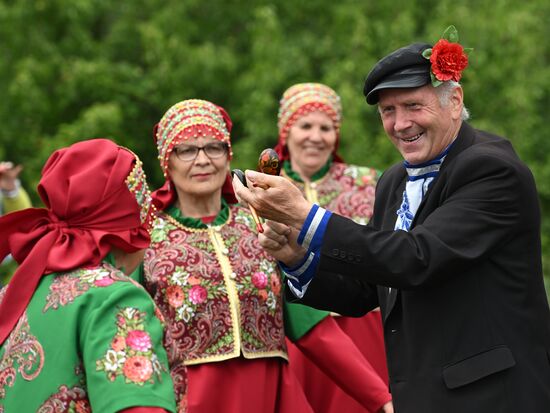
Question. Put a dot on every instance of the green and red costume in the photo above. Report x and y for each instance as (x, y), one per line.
(219, 292)
(89, 337)
(76, 335)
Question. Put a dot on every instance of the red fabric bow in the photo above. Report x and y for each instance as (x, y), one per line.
(89, 210)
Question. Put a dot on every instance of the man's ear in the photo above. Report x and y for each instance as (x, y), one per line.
(456, 102)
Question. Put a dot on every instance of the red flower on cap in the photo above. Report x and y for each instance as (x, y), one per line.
(448, 58)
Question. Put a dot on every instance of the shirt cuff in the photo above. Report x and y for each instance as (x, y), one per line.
(302, 270)
(311, 238)
(313, 231)
(300, 276)
(296, 288)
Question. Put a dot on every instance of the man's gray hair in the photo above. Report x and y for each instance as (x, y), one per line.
(444, 92)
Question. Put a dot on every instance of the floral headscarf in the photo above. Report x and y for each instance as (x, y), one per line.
(190, 119)
(96, 198)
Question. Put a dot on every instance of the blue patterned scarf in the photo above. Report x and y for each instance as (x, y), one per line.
(420, 177)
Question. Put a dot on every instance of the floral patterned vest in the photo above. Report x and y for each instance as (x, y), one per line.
(219, 292)
(347, 190)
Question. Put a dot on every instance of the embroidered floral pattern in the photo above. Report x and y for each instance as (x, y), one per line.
(259, 279)
(264, 283)
(23, 354)
(175, 296)
(65, 288)
(131, 352)
(197, 294)
(347, 190)
(67, 400)
(185, 293)
(183, 267)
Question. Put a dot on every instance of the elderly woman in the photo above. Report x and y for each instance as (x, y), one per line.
(219, 292)
(309, 121)
(76, 334)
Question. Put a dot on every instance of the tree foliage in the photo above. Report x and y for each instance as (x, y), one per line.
(78, 69)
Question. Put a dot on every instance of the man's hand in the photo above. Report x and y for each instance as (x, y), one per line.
(280, 201)
(8, 175)
(279, 240)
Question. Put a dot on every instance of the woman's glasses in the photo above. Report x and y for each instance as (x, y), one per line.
(190, 152)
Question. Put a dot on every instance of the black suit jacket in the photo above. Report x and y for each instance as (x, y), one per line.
(466, 322)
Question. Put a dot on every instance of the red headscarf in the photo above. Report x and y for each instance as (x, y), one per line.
(92, 191)
(190, 119)
(300, 100)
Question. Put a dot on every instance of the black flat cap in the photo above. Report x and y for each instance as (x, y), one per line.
(403, 68)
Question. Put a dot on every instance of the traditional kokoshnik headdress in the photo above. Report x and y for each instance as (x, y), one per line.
(300, 100)
(187, 120)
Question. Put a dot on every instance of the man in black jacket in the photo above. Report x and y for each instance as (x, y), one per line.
(452, 254)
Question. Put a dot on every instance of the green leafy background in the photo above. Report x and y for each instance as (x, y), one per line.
(78, 69)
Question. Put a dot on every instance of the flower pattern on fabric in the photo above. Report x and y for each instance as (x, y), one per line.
(184, 269)
(67, 400)
(404, 213)
(259, 279)
(347, 190)
(131, 351)
(23, 354)
(198, 294)
(264, 283)
(65, 288)
(185, 292)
